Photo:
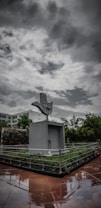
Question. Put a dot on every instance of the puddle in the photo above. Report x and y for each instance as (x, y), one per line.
(81, 188)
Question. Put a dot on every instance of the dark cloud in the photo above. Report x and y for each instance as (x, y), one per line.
(6, 48)
(8, 33)
(86, 43)
(11, 4)
(39, 88)
(1, 100)
(50, 67)
(5, 89)
(17, 8)
(60, 101)
(63, 12)
(57, 20)
(93, 9)
(60, 28)
(26, 94)
(98, 77)
(67, 35)
(52, 8)
(9, 19)
(33, 9)
(12, 104)
(66, 113)
(75, 97)
(5, 52)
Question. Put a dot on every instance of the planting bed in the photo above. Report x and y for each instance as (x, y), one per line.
(56, 165)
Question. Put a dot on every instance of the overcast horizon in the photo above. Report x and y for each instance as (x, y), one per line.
(52, 47)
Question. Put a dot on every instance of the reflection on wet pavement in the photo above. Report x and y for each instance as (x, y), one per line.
(23, 189)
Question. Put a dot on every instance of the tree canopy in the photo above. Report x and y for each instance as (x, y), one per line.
(24, 121)
(3, 124)
(83, 130)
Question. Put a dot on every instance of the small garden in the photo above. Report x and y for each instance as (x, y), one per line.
(60, 164)
(83, 130)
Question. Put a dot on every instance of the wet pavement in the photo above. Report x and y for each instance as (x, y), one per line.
(24, 189)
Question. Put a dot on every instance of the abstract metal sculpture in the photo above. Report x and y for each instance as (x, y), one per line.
(43, 105)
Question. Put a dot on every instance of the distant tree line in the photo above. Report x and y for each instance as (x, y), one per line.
(86, 129)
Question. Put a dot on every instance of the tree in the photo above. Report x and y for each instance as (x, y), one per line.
(93, 124)
(3, 124)
(83, 130)
(92, 121)
(14, 136)
(76, 122)
(24, 121)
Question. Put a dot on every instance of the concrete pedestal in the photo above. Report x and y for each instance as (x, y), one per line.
(46, 135)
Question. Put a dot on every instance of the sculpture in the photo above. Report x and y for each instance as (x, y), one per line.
(43, 105)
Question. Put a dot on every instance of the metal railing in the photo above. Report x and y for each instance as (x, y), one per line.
(44, 159)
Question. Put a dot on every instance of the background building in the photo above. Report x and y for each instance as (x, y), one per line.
(11, 119)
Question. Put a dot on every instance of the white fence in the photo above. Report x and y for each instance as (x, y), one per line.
(62, 160)
(47, 152)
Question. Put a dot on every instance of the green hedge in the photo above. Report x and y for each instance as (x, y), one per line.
(15, 137)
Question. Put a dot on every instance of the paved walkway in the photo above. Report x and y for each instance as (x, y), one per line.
(23, 189)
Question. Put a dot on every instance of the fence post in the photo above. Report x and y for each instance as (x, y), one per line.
(30, 165)
(60, 164)
(1, 145)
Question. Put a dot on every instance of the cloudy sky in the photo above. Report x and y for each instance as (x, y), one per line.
(52, 47)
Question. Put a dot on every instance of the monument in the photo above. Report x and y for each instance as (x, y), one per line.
(44, 106)
(45, 134)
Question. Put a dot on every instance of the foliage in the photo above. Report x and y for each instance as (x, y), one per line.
(83, 130)
(24, 121)
(2, 124)
(15, 137)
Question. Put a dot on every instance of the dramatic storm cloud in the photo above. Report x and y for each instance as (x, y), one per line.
(52, 47)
